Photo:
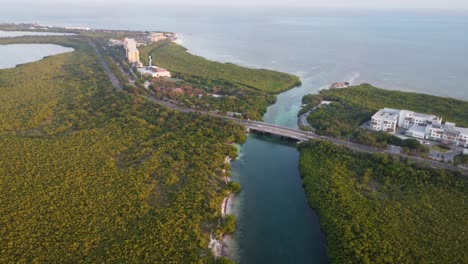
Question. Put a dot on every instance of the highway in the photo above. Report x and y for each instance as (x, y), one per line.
(301, 135)
(115, 82)
(296, 134)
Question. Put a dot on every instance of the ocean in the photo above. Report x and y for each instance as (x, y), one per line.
(420, 51)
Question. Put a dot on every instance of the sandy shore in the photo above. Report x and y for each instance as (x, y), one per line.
(219, 247)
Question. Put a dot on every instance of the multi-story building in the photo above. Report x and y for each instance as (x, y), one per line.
(133, 55)
(463, 137)
(407, 119)
(448, 133)
(419, 125)
(385, 120)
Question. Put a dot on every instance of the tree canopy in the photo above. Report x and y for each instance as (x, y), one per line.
(375, 209)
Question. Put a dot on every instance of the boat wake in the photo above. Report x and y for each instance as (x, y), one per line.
(352, 80)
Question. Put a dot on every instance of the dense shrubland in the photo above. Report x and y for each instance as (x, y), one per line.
(176, 59)
(375, 209)
(89, 174)
(241, 90)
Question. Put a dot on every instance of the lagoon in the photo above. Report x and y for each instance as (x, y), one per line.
(29, 33)
(15, 54)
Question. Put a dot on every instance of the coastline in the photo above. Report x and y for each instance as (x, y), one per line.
(220, 247)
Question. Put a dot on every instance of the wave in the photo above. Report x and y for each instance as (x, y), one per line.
(178, 39)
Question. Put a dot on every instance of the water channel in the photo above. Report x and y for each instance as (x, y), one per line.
(275, 223)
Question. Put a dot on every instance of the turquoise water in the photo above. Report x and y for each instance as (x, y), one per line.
(275, 223)
(407, 50)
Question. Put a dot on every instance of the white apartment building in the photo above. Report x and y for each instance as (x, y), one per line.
(448, 133)
(385, 120)
(133, 55)
(407, 119)
(419, 125)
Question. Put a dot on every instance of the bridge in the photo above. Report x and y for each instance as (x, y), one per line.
(284, 132)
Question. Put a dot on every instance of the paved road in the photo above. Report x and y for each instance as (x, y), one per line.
(306, 135)
(277, 130)
(115, 82)
(302, 121)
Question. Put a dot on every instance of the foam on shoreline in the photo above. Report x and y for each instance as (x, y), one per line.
(178, 39)
(218, 246)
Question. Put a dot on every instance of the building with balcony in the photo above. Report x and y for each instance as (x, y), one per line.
(385, 120)
(448, 133)
(417, 125)
(407, 119)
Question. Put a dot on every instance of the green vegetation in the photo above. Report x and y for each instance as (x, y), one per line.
(227, 225)
(366, 99)
(89, 174)
(193, 93)
(461, 160)
(355, 105)
(223, 260)
(375, 209)
(440, 148)
(209, 85)
(176, 59)
(234, 187)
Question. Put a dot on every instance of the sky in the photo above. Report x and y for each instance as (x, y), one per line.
(386, 4)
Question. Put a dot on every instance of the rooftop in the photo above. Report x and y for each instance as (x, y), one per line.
(130, 44)
(152, 69)
(417, 128)
(387, 113)
(462, 130)
(427, 116)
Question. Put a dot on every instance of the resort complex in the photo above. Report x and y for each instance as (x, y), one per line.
(133, 56)
(418, 125)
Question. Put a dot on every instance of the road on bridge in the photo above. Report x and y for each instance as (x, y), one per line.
(302, 135)
(296, 134)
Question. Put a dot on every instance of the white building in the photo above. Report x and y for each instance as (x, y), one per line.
(463, 137)
(448, 133)
(155, 72)
(385, 120)
(419, 125)
(417, 131)
(407, 119)
(155, 37)
(133, 55)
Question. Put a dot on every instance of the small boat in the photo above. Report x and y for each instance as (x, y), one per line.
(339, 85)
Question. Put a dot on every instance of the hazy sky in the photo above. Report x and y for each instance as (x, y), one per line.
(426, 4)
